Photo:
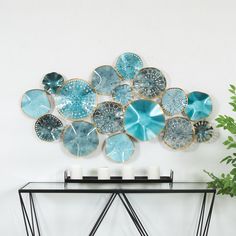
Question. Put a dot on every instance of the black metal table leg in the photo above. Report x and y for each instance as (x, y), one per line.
(103, 213)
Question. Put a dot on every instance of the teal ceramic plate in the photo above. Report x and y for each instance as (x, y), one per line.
(122, 94)
(203, 131)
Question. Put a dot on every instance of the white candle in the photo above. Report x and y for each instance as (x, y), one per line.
(76, 172)
(153, 172)
(127, 172)
(103, 173)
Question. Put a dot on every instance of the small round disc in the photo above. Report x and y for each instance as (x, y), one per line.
(119, 147)
(80, 138)
(35, 103)
(203, 131)
(108, 117)
(128, 64)
(52, 82)
(122, 94)
(48, 128)
(149, 82)
(178, 133)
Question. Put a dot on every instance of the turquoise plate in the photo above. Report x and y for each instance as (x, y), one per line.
(52, 82)
(122, 94)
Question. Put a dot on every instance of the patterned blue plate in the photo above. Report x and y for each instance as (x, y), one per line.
(149, 82)
(76, 99)
(144, 119)
(80, 138)
(52, 82)
(203, 131)
(122, 94)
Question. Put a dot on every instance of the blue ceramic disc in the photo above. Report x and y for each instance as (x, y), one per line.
(35, 103)
(144, 119)
(128, 64)
(119, 147)
(80, 138)
(174, 101)
(203, 131)
(199, 106)
(76, 100)
(105, 79)
(122, 94)
(48, 128)
(52, 82)
(178, 133)
(108, 117)
(149, 82)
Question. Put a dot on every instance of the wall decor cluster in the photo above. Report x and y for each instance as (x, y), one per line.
(140, 107)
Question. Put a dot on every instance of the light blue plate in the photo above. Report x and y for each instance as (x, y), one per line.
(105, 79)
(80, 138)
(76, 99)
(178, 133)
(122, 94)
(35, 103)
(199, 106)
(108, 117)
(174, 101)
(144, 119)
(149, 83)
(119, 147)
(128, 64)
(52, 82)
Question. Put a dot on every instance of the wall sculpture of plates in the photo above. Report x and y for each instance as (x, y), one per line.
(139, 107)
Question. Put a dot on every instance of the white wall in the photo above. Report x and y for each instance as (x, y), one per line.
(193, 42)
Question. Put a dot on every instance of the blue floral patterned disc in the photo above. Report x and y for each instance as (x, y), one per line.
(52, 82)
(199, 106)
(178, 133)
(122, 94)
(144, 119)
(119, 147)
(174, 101)
(80, 138)
(35, 103)
(104, 79)
(48, 128)
(128, 64)
(76, 99)
(149, 82)
(108, 117)
(203, 131)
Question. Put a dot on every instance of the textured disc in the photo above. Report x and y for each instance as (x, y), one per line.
(35, 103)
(199, 106)
(80, 138)
(178, 133)
(174, 100)
(122, 94)
(149, 82)
(108, 117)
(52, 82)
(203, 131)
(48, 128)
(128, 64)
(105, 79)
(76, 99)
(119, 147)
(144, 119)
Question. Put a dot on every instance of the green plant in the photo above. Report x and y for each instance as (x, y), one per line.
(226, 183)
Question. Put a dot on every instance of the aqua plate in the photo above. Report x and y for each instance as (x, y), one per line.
(52, 82)
(122, 94)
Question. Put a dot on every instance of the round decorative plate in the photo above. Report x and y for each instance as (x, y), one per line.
(104, 79)
(144, 119)
(52, 82)
(35, 103)
(80, 138)
(199, 106)
(48, 128)
(203, 131)
(149, 82)
(119, 147)
(174, 100)
(122, 94)
(76, 99)
(108, 117)
(128, 64)
(178, 133)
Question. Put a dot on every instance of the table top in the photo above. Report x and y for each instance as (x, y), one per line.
(61, 187)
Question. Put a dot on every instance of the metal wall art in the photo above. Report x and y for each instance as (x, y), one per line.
(140, 107)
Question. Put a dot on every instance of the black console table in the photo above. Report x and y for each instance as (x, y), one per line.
(120, 190)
